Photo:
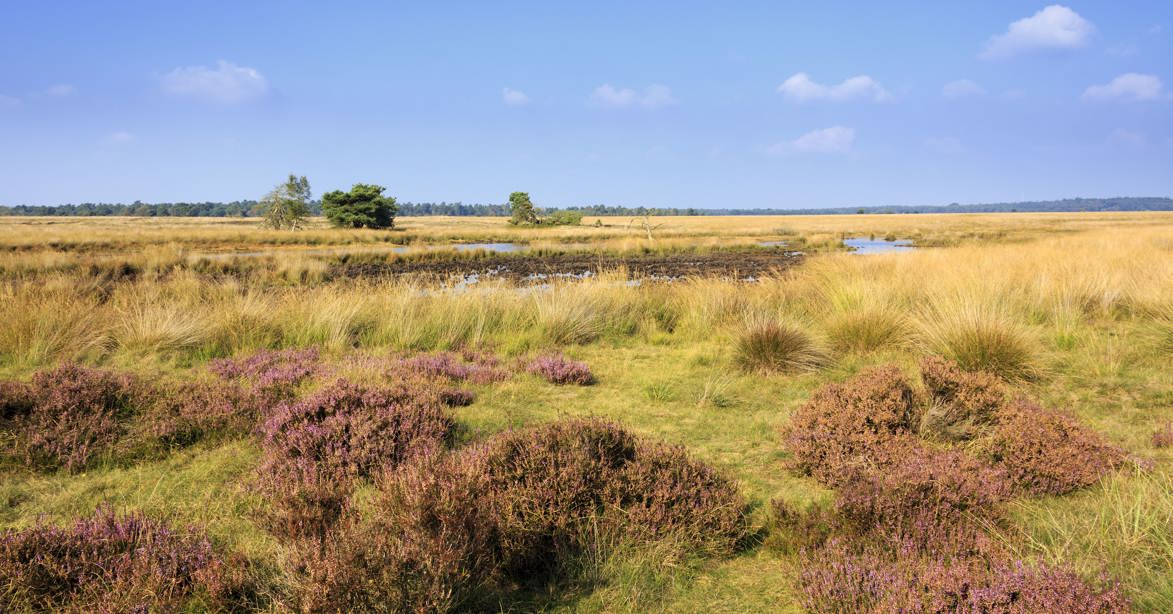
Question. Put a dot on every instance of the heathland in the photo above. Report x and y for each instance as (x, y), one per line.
(729, 414)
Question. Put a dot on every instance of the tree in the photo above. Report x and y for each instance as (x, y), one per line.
(288, 205)
(363, 205)
(522, 209)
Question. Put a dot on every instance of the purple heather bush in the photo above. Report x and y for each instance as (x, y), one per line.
(962, 404)
(1047, 452)
(114, 563)
(72, 415)
(273, 370)
(469, 366)
(847, 427)
(1163, 436)
(859, 575)
(195, 411)
(316, 446)
(454, 531)
(556, 368)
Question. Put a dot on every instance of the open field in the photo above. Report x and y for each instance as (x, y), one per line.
(1074, 311)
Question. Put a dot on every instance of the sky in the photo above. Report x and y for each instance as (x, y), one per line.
(661, 104)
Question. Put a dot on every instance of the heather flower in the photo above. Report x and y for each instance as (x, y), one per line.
(112, 563)
(75, 414)
(271, 369)
(558, 369)
(1047, 452)
(315, 447)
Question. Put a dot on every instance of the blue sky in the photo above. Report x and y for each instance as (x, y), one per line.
(686, 104)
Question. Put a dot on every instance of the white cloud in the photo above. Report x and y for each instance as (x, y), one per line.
(514, 98)
(121, 137)
(652, 96)
(944, 145)
(833, 140)
(1055, 27)
(962, 88)
(60, 90)
(7, 102)
(800, 88)
(227, 83)
(1130, 87)
(1123, 50)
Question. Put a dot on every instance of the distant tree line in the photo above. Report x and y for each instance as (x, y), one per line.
(251, 208)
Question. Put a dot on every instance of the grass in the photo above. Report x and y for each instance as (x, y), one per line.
(1075, 307)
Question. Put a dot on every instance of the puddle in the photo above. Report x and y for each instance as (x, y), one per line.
(861, 245)
(488, 247)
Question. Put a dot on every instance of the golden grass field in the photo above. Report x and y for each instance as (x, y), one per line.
(1075, 309)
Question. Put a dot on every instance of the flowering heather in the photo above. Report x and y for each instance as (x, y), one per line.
(194, 411)
(430, 545)
(271, 369)
(452, 531)
(558, 369)
(76, 413)
(923, 485)
(314, 447)
(1047, 452)
(962, 403)
(849, 426)
(475, 367)
(111, 563)
(1163, 436)
(868, 576)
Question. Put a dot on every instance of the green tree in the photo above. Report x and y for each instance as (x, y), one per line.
(363, 205)
(288, 205)
(522, 209)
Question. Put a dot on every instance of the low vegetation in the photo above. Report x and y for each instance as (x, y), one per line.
(977, 426)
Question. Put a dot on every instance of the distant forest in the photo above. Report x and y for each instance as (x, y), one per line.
(250, 208)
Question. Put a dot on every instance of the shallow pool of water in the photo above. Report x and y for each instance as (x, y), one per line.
(489, 247)
(863, 245)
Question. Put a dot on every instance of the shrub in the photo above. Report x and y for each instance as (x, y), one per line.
(194, 411)
(1046, 452)
(846, 427)
(451, 532)
(665, 493)
(1163, 436)
(76, 413)
(271, 370)
(767, 346)
(556, 368)
(872, 576)
(113, 563)
(923, 488)
(962, 403)
(314, 448)
(431, 544)
(474, 367)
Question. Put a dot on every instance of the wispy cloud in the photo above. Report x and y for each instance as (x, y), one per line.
(801, 88)
(120, 137)
(1055, 27)
(962, 88)
(8, 102)
(514, 98)
(833, 140)
(652, 97)
(1129, 87)
(226, 83)
(1127, 139)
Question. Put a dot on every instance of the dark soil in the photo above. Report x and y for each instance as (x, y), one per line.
(744, 265)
